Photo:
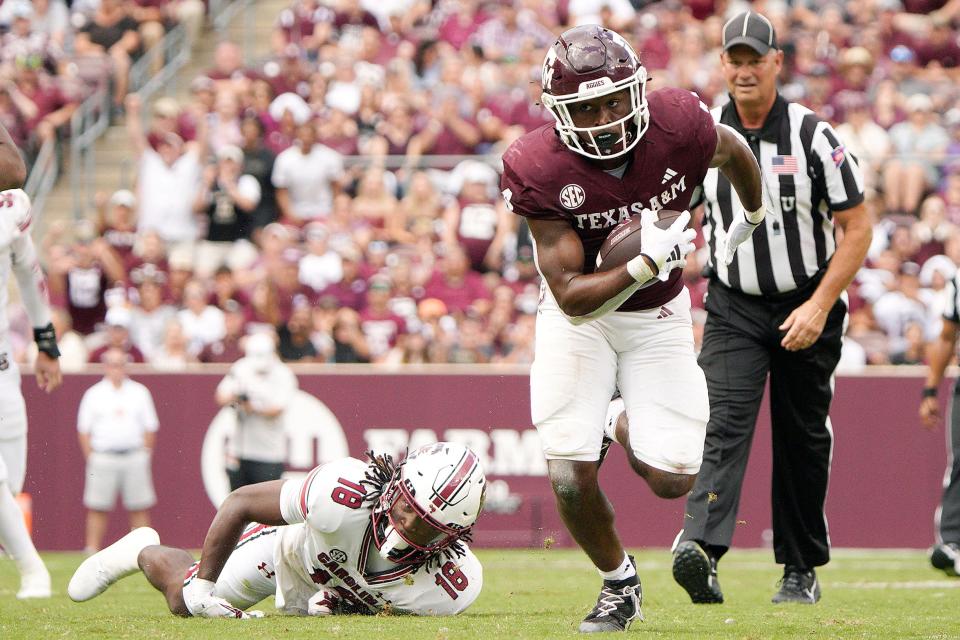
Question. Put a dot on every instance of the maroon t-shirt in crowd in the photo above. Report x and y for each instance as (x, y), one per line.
(457, 297)
(475, 230)
(546, 180)
(85, 302)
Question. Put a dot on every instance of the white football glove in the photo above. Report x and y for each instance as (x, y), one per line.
(200, 601)
(322, 603)
(740, 229)
(667, 248)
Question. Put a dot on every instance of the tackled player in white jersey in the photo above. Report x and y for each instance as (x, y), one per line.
(18, 258)
(352, 537)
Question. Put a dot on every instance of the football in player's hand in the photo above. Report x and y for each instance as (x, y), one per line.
(623, 242)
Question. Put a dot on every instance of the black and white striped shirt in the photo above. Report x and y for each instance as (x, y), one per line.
(807, 175)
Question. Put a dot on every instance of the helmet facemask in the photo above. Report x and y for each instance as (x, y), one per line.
(443, 486)
(631, 127)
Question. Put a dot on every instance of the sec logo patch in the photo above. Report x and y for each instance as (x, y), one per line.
(572, 196)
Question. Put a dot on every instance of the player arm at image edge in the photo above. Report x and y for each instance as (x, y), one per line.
(940, 353)
(26, 266)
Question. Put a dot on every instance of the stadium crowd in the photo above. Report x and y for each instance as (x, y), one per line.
(344, 192)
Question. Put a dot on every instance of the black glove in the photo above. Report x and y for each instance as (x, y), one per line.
(46, 340)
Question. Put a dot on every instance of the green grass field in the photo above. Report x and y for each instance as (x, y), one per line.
(544, 594)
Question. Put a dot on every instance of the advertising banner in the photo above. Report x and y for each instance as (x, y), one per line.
(886, 471)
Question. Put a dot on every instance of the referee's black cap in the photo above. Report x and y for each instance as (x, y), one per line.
(750, 29)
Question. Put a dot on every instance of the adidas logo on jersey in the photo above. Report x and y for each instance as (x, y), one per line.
(664, 313)
(668, 175)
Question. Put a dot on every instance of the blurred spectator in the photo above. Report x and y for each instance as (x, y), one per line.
(168, 117)
(151, 315)
(258, 162)
(294, 337)
(350, 290)
(117, 222)
(259, 388)
(454, 283)
(227, 198)
(349, 341)
(117, 425)
(919, 144)
(374, 206)
(227, 290)
(229, 347)
(264, 306)
(383, 328)
(118, 320)
(509, 31)
(41, 99)
(167, 179)
(445, 131)
(419, 210)
(307, 178)
(106, 44)
(867, 140)
(80, 276)
(477, 219)
(321, 266)
(901, 305)
(202, 323)
(913, 347)
(174, 354)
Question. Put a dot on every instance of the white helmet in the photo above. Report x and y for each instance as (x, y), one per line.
(445, 485)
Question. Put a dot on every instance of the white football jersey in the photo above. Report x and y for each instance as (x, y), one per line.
(18, 256)
(332, 547)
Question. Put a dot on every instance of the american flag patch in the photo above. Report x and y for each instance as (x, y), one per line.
(838, 157)
(784, 164)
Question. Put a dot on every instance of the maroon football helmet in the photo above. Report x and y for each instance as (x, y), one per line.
(587, 62)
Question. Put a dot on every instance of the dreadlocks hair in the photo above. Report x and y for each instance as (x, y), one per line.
(380, 472)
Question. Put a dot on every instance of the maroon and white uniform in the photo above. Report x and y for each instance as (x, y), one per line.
(329, 546)
(18, 261)
(645, 347)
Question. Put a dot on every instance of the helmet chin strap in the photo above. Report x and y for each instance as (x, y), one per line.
(392, 542)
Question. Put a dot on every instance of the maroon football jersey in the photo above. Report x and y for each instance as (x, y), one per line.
(544, 179)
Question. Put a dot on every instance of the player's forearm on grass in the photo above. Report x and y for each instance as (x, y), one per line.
(254, 503)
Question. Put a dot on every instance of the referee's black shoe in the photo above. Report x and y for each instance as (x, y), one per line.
(618, 605)
(798, 585)
(696, 571)
(946, 557)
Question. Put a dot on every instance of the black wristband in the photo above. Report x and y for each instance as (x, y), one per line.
(46, 340)
(929, 392)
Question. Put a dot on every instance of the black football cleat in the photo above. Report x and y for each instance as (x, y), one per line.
(696, 571)
(798, 586)
(617, 606)
(946, 557)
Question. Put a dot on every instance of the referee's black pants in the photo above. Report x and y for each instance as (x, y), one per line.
(741, 346)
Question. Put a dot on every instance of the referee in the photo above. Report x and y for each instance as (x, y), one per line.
(774, 310)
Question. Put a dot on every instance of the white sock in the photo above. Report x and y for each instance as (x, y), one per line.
(13, 534)
(624, 571)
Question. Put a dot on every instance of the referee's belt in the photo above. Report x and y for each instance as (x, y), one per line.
(119, 452)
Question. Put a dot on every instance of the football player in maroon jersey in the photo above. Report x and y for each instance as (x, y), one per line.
(616, 151)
